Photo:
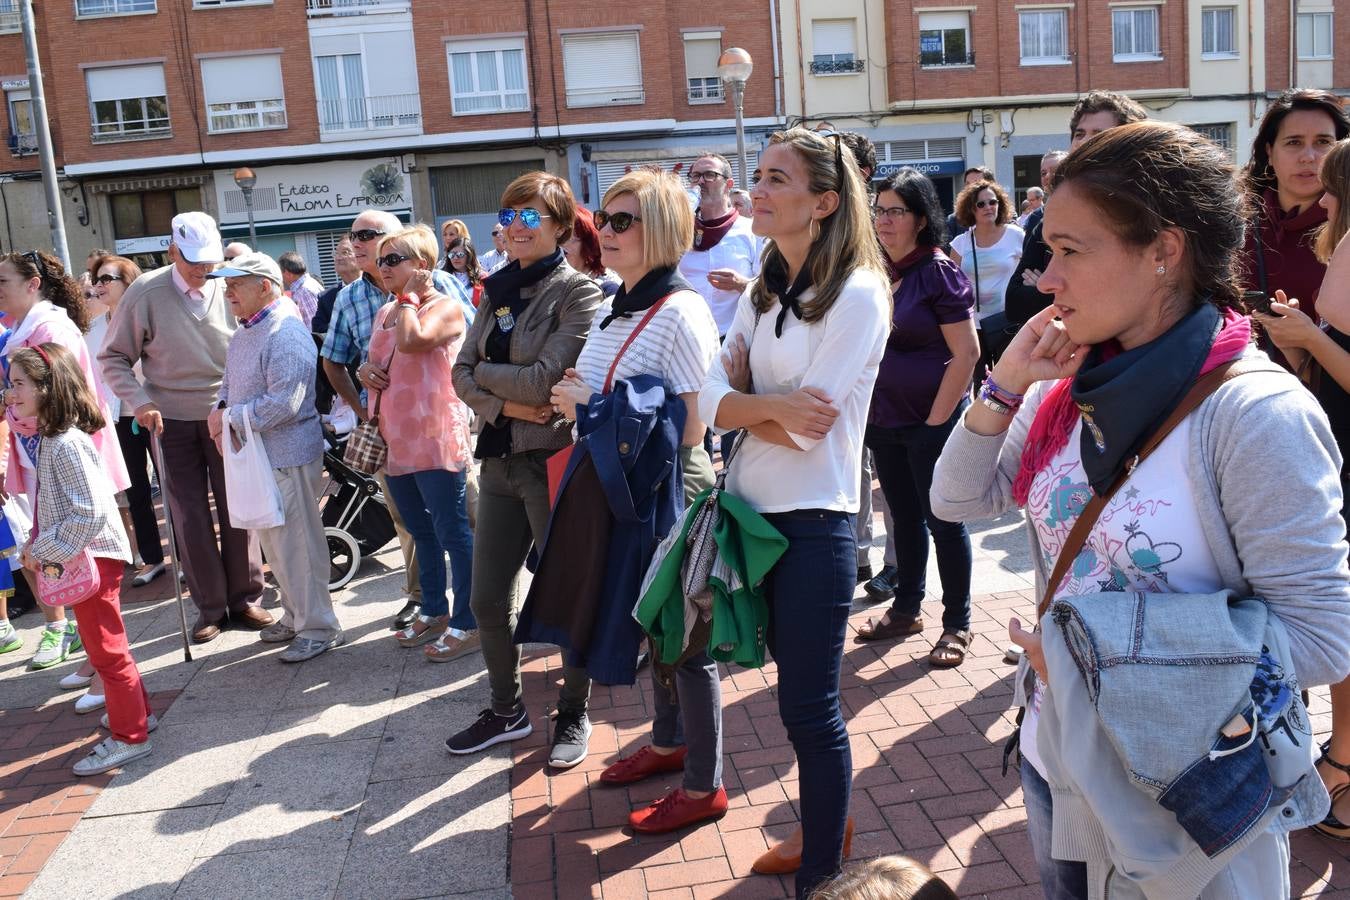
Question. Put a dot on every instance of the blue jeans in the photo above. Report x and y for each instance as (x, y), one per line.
(1060, 879)
(810, 593)
(904, 459)
(432, 504)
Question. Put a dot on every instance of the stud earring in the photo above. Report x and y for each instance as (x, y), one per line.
(1162, 270)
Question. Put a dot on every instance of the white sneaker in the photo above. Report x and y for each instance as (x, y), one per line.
(90, 702)
(110, 753)
(75, 681)
(151, 722)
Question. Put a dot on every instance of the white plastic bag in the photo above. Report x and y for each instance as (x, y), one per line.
(254, 496)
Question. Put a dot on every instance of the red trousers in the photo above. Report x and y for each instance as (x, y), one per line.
(99, 620)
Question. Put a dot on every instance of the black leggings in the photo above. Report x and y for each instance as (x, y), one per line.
(136, 452)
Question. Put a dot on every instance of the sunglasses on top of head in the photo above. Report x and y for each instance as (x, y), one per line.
(389, 260)
(529, 216)
(618, 222)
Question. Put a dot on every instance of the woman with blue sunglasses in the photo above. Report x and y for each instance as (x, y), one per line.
(535, 314)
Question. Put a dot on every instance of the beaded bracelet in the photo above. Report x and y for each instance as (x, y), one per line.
(998, 400)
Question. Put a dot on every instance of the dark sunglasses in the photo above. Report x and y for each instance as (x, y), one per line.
(981, 204)
(365, 234)
(389, 260)
(618, 222)
(529, 216)
(106, 279)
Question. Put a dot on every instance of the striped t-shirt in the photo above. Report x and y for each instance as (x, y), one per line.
(678, 344)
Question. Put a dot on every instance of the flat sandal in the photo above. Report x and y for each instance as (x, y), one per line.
(1331, 826)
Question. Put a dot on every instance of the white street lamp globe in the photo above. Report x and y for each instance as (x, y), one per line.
(735, 65)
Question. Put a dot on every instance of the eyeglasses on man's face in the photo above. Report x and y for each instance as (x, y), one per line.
(712, 176)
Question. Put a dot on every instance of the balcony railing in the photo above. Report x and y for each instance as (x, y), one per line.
(317, 8)
(935, 58)
(838, 66)
(369, 113)
(9, 16)
(23, 144)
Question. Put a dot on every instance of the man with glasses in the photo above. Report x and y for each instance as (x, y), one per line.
(174, 322)
(348, 340)
(725, 254)
(344, 263)
(495, 258)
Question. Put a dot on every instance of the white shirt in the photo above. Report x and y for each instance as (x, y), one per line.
(677, 344)
(492, 260)
(997, 265)
(839, 355)
(1148, 538)
(739, 251)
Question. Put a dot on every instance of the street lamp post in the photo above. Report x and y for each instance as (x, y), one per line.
(245, 179)
(734, 67)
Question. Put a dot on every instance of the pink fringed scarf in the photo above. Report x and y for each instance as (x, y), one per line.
(1055, 418)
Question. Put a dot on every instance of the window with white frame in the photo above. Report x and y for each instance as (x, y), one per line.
(834, 47)
(243, 93)
(127, 101)
(1218, 32)
(210, 4)
(1044, 35)
(1314, 35)
(487, 76)
(701, 52)
(944, 39)
(22, 134)
(1134, 33)
(600, 68)
(366, 80)
(1220, 133)
(113, 7)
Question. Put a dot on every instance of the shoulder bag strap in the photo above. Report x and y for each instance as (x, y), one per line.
(614, 366)
(1078, 535)
(975, 264)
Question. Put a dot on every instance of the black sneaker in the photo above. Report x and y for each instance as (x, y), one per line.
(864, 573)
(406, 615)
(571, 739)
(490, 729)
(883, 586)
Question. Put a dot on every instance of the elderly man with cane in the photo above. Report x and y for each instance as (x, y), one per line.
(174, 322)
(268, 394)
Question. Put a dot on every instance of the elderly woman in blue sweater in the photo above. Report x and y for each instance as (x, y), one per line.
(269, 374)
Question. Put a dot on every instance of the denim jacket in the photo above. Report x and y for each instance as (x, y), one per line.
(1194, 696)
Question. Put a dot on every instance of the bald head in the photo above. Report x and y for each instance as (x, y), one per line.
(376, 224)
(235, 248)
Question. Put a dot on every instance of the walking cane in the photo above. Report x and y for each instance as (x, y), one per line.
(173, 545)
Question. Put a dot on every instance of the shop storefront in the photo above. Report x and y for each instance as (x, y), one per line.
(141, 210)
(941, 159)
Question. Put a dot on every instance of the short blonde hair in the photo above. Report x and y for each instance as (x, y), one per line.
(555, 193)
(667, 217)
(886, 878)
(415, 241)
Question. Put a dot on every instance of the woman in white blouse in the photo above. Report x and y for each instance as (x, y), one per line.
(988, 252)
(797, 373)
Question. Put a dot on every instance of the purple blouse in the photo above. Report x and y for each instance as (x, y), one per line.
(933, 292)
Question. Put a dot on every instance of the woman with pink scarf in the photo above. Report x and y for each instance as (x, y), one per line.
(43, 304)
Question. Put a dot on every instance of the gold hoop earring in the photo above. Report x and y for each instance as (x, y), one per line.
(815, 236)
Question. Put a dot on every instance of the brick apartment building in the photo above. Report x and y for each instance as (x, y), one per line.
(427, 109)
(422, 108)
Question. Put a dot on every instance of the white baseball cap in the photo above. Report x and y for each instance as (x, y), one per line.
(197, 238)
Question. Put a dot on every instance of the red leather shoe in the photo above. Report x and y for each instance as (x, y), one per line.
(676, 810)
(643, 763)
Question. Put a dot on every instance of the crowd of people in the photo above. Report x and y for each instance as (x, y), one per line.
(561, 402)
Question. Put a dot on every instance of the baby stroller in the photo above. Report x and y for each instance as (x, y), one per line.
(355, 518)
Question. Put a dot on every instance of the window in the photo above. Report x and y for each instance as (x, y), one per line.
(834, 47)
(128, 102)
(243, 93)
(9, 16)
(22, 135)
(149, 213)
(206, 4)
(1134, 33)
(366, 80)
(113, 7)
(701, 52)
(600, 69)
(487, 76)
(1045, 37)
(1314, 35)
(1218, 32)
(1221, 134)
(944, 39)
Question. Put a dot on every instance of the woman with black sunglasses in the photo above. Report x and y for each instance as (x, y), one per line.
(536, 312)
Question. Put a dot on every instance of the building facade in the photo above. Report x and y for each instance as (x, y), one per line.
(428, 110)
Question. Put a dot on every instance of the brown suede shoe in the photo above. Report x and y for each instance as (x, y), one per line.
(253, 617)
(204, 631)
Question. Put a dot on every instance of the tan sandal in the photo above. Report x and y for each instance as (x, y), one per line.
(950, 650)
(889, 628)
(452, 644)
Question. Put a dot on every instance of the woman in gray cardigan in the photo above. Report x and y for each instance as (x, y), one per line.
(1145, 229)
(534, 317)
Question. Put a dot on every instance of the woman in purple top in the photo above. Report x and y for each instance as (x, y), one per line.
(919, 396)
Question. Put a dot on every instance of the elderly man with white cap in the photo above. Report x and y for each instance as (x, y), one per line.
(269, 377)
(175, 323)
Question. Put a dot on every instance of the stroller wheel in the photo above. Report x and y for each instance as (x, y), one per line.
(344, 557)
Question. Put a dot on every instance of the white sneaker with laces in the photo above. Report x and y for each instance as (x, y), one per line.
(110, 753)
